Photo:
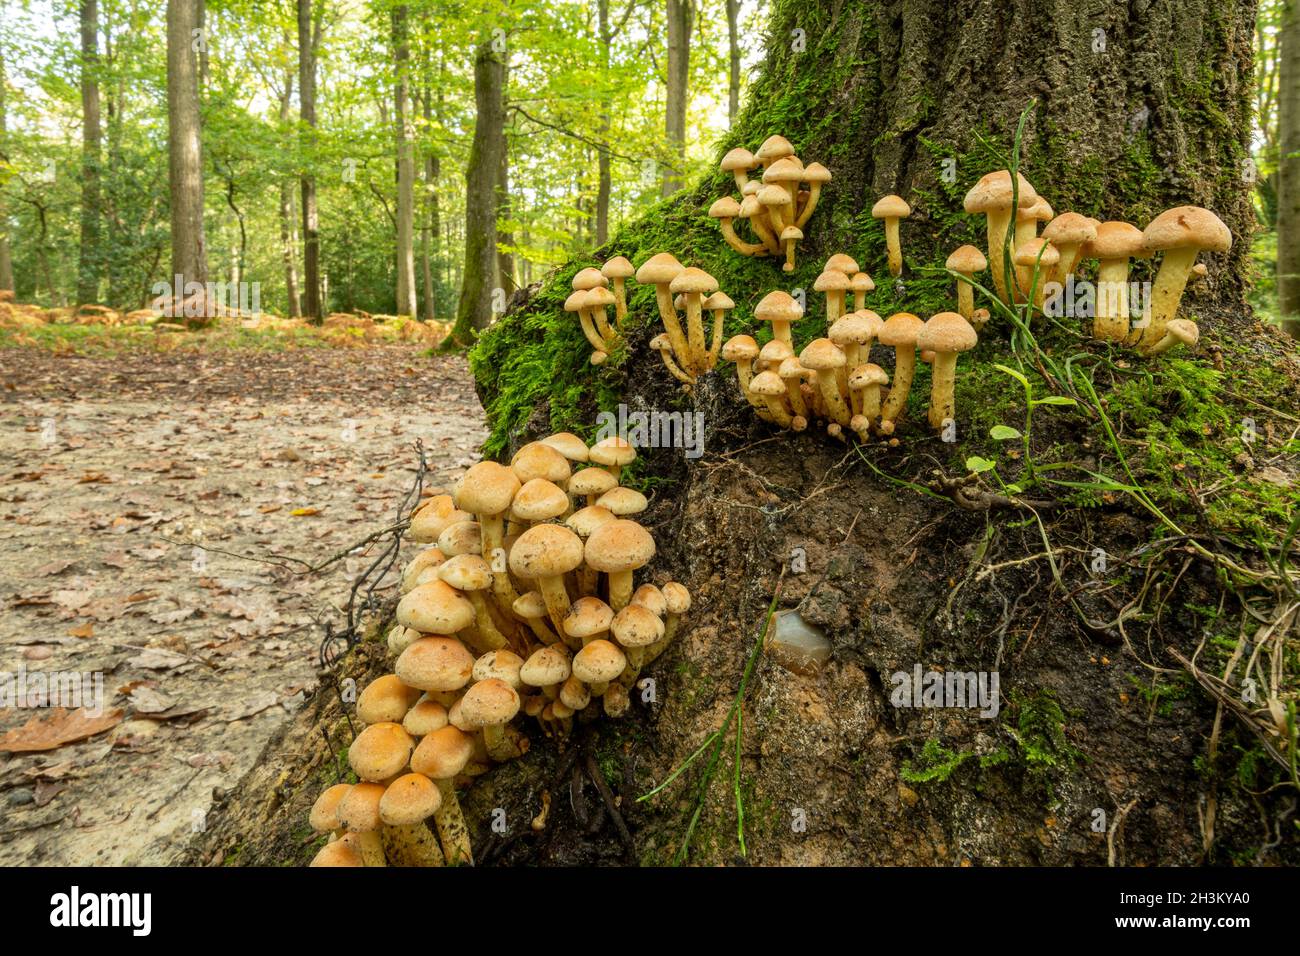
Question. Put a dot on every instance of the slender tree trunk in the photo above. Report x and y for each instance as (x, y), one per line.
(505, 238)
(482, 174)
(288, 245)
(89, 260)
(404, 129)
(185, 142)
(1288, 194)
(6, 257)
(308, 37)
(604, 178)
(733, 58)
(432, 232)
(680, 14)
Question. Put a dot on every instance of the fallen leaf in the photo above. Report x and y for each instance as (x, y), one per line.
(304, 512)
(86, 630)
(60, 726)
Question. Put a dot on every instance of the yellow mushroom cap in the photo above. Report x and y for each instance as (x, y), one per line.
(409, 799)
(592, 481)
(489, 702)
(774, 148)
(443, 754)
(861, 282)
(589, 278)
(778, 306)
(772, 195)
(867, 375)
(619, 545)
(502, 664)
(622, 502)
(740, 348)
(946, 332)
(385, 699)
(659, 270)
(783, 171)
(545, 551)
(1036, 250)
(1116, 240)
(587, 616)
(530, 606)
(545, 666)
(855, 327)
(463, 537)
(586, 520)
(822, 355)
(900, 329)
(725, 208)
(967, 259)
(993, 192)
(636, 626)
(325, 811)
(767, 383)
(1187, 227)
(738, 158)
(617, 268)
(539, 500)
(816, 173)
(842, 262)
(424, 718)
(774, 352)
(891, 207)
(337, 853)
(359, 808)
(791, 232)
(539, 460)
(832, 280)
(380, 751)
(649, 596)
(719, 301)
(1069, 228)
(435, 608)
(435, 664)
(598, 662)
(433, 516)
(693, 281)
(613, 451)
(1184, 330)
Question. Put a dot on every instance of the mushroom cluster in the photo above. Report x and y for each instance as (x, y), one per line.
(524, 602)
(686, 352)
(591, 299)
(832, 378)
(777, 204)
(1013, 211)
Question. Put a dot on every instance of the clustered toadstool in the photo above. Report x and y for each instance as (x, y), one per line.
(776, 204)
(523, 603)
(689, 350)
(591, 298)
(1014, 210)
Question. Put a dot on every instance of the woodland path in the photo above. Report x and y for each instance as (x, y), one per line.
(113, 471)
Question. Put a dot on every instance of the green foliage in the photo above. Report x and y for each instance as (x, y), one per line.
(935, 763)
(1039, 733)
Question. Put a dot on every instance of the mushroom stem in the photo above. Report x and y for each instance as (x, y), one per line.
(740, 245)
(789, 255)
(590, 332)
(544, 633)
(904, 368)
(620, 300)
(489, 636)
(452, 831)
(870, 398)
(556, 596)
(492, 537)
(965, 296)
(1167, 292)
(759, 222)
(828, 381)
(602, 324)
(412, 845)
(695, 332)
(498, 744)
(814, 193)
(1110, 311)
(998, 222)
(677, 373)
(1071, 253)
(742, 179)
(371, 846)
(744, 375)
(715, 347)
(943, 379)
(620, 591)
(672, 325)
(776, 408)
(893, 246)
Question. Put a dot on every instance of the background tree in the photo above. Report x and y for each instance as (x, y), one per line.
(1288, 192)
(89, 258)
(185, 140)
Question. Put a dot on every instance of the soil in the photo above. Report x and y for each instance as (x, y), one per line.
(160, 512)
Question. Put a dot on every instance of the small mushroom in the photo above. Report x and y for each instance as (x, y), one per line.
(865, 383)
(597, 664)
(1070, 233)
(385, 700)
(781, 310)
(661, 344)
(1181, 234)
(790, 237)
(754, 211)
(786, 173)
(771, 390)
(660, 271)
(742, 350)
(358, 812)
(774, 147)
(696, 285)
(1028, 218)
(726, 210)
(588, 620)
(471, 575)
(719, 304)
(993, 196)
(826, 359)
(966, 261)
(774, 199)
(1035, 259)
(613, 454)
(635, 628)
(490, 704)
(435, 664)
(792, 372)
(617, 549)
(407, 802)
(434, 608)
(531, 608)
(816, 176)
(841, 262)
(739, 162)
(899, 331)
(380, 752)
(618, 270)
(946, 334)
(1177, 332)
(441, 756)
(545, 553)
(591, 483)
(1113, 244)
(860, 284)
(835, 284)
(486, 490)
(324, 816)
(853, 333)
(892, 209)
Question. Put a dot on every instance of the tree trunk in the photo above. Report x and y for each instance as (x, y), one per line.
(185, 143)
(6, 256)
(1288, 193)
(679, 14)
(505, 238)
(288, 244)
(733, 60)
(430, 229)
(89, 260)
(482, 173)
(405, 131)
(604, 178)
(308, 37)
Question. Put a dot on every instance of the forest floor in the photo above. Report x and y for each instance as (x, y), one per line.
(152, 505)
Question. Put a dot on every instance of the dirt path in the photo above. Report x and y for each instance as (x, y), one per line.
(121, 482)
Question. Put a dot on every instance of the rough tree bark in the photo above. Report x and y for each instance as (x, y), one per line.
(6, 256)
(89, 258)
(185, 142)
(404, 131)
(733, 59)
(288, 237)
(604, 179)
(679, 15)
(482, 172)
(430, 229)
(308, 39)
(1288, 193)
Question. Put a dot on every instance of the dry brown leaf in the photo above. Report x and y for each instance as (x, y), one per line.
(58, 727)
(86, 630)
